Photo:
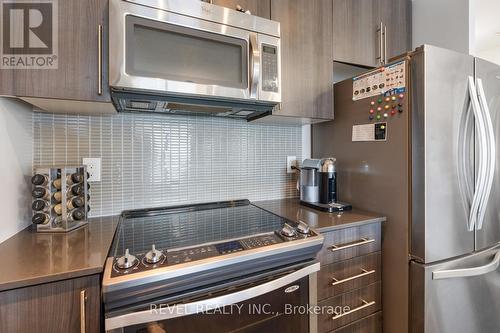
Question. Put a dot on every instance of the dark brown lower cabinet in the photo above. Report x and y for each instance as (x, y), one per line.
(370, 324)
(349, 281)
(356, 304)
(66, 306)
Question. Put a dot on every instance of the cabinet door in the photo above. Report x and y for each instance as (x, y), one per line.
(355, 36)
(52, 307)
(396, 16)
(306, 57)
(77, 74)
(256, 7)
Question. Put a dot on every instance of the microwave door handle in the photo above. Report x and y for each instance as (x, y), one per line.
(490, 155)
(181, 310)
(254, 76)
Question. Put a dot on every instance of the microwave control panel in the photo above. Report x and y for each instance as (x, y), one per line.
(269, 68)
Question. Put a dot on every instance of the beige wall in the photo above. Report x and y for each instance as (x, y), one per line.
(16, 145)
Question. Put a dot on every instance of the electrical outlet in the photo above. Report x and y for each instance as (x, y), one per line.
(290, 160)
(93, 168)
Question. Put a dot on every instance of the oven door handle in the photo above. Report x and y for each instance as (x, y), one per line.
(181, 310)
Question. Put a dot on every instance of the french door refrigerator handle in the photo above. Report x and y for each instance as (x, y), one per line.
(465, 172)
(467, 272)
(186, 309)
(480, 183)
(491, 154)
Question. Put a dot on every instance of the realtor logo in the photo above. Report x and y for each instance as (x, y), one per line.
(28, 34)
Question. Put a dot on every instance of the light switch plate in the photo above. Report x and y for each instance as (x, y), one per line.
(93, 168)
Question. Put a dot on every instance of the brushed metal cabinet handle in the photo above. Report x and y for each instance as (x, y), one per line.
(83, 301)
(363, 306)
(99, 59)
(380, 43)
(364, 273)
(385, 44)
(360, 242)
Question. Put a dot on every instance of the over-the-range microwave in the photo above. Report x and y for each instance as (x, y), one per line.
(185, 56)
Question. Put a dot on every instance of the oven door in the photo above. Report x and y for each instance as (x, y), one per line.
(271, 304)
(158, 50)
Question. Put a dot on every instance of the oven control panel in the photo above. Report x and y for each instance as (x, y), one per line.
(142, 262)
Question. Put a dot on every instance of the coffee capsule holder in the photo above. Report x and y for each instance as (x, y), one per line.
(62, 222)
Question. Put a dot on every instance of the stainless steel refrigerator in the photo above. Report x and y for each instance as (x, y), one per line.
(416, 141)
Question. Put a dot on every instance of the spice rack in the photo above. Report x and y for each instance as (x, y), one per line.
(60, 198)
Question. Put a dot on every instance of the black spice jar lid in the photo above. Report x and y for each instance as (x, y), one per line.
(38, 218)
(39, 192)
(38, 179)
(38, 205)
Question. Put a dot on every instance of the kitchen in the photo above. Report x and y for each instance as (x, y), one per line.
(249, 166)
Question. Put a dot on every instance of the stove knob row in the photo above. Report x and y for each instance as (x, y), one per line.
(126, 261)
(289, 231)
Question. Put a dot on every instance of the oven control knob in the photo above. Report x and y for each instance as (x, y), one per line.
(153, 256)
(303, 228)
(126, 261)
(288, 230)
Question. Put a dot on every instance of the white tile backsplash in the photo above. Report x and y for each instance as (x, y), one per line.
(158, 160)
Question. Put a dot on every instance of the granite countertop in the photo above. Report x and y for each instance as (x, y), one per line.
(321, 221)
(30, 258)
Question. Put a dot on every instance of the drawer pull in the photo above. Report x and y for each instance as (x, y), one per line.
(364, 273)
(360, 242)
(83, 300)
(365, 305)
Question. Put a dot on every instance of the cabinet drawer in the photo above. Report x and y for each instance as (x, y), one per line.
(349, 243)
(347, 275)
(370, 324)
(355, 305)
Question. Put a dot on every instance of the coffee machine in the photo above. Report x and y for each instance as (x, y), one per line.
(318, 185)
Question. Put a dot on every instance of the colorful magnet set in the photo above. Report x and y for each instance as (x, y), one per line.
(386, 86)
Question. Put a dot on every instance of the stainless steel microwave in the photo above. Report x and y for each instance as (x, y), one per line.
(185, 56)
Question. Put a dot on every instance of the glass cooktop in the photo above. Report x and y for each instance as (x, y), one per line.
(185, 226)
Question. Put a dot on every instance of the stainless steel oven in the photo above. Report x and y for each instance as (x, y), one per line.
(166, 53)
(222, 266)
(276, 301)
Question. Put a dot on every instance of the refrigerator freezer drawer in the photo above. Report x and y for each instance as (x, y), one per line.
(457, 296)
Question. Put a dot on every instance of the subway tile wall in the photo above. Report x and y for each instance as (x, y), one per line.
(158, 160)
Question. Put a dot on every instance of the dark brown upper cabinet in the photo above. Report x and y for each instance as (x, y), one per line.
(306, 58)
(370, 32)
(395, 15)
(260, 8)
(81, 74)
